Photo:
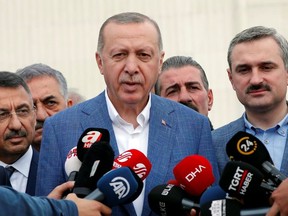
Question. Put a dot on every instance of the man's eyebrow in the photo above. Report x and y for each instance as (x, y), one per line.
(176, 85)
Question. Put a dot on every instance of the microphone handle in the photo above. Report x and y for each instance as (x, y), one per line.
(73, 176)
(254, 212)
(269, 168)
(189, 204)
(95, 195)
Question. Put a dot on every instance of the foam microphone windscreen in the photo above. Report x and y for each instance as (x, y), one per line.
(248, 148)
(72, 164)
(97, 161)
(136, 160)
(212, 193)
(240, 179)
(89, 137)
(168, 199)
(194, 174)
(117, 187)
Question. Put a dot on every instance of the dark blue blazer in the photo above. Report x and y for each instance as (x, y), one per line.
(31, 184)
(223, 134)
(175, 131)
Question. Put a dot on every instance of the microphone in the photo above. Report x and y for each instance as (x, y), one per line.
(221, 207)
(212, 193)
(88, 138)
(170, 200)
(245, 182)
(117, 187)
(194, 174)
(97, 161)
(215, 201)
(136, 160)
(72, 164)
(248, 148)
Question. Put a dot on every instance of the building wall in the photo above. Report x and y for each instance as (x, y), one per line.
(63, 34)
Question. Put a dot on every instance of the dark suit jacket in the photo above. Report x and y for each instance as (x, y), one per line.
(31, 184)
(175, 131)
(223, 134)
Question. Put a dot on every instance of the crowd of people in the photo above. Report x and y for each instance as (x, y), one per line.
(40, 121)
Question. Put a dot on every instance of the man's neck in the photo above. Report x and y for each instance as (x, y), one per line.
(268, 118)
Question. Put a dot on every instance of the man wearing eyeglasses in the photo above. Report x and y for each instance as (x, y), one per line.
(17, 129)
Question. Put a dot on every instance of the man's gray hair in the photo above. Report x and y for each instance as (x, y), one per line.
(127, 18)
(179, 62)
(256, 33)
(39, 70)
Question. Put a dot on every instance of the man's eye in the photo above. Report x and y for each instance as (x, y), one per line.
(118, 56)
(51, 103)
(144, 56)
(4, 114)
(23, 112)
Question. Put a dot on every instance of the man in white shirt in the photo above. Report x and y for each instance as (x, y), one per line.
(17, 129)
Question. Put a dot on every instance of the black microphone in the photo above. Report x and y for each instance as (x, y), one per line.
(88, 138)
(245, 182)
(117, 187)
(168, 199)
(248, 148)
(97, 161)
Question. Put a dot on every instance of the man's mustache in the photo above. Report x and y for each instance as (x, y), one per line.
(19, 133)
(190, 105)
(258, 87)
(39, 125)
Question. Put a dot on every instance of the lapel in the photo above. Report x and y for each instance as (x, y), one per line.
(31, 184)
(284, 164)
(160, 143)
(160, 140)
(96, 115)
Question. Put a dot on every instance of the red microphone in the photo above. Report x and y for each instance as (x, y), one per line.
(136, 160)
(194, 174)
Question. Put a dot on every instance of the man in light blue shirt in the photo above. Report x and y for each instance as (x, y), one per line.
(258, 72)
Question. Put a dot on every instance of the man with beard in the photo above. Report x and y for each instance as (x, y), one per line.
(49, 91)
(17, 129)
(182, 79)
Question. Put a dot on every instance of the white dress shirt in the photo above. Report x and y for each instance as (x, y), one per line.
(128, 137)
(19, 178)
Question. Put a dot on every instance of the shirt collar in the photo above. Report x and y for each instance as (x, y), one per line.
(142, 118)
(21, 164)
(282, 123)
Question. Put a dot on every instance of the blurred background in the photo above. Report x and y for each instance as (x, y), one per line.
(63, 34)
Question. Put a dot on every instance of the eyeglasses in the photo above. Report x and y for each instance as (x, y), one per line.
(20, 113)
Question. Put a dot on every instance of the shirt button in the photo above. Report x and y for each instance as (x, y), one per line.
(266, 141)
